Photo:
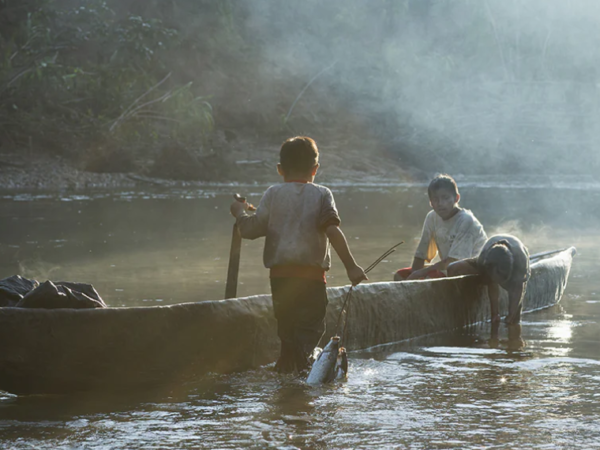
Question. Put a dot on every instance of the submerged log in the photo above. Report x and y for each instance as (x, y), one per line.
(65, 351)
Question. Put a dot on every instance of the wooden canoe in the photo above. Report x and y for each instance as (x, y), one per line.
(65, 350)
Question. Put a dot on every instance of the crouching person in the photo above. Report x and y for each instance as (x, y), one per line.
(503, 262)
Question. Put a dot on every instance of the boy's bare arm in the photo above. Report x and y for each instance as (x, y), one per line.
(250, 226)
(356, 274)
(440, 265)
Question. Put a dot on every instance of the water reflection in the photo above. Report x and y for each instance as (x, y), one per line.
(561, 331)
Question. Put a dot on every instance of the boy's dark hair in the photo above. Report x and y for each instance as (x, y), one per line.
(499, 261)
(443, 181)
(298, 155)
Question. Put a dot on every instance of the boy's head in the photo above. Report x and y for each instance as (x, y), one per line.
(298, 158)
(498, 262)
(444, 196)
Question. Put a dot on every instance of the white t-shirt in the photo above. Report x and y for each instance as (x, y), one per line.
(460, 237)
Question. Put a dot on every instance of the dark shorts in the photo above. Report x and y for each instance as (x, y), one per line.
(299, 305)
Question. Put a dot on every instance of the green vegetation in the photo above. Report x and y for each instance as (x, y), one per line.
(462, 86)
(82, 76)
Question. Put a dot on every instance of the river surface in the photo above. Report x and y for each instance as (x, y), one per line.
(537, 387)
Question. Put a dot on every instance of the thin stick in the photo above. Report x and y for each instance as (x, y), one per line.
(344, 336)
(305, 88)
(337, 325)
(382, 257)
(371, 267)
(128, 109)
(386, 254)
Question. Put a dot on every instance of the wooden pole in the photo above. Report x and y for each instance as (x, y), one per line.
(234, 254)
(234, 263)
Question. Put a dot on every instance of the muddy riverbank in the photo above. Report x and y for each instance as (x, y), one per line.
(243, 162)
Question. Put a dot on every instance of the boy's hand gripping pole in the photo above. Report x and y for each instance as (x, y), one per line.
(234, 255)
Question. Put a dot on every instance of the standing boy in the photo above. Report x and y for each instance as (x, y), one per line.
(299, 220)
(503, 261)
(452, 231)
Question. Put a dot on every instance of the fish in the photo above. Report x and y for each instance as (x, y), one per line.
(330, 364)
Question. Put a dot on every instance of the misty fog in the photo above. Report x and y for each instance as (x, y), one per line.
(466, 85)
(462, 86)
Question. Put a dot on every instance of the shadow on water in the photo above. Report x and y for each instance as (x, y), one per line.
(65, 407)
(507, 340)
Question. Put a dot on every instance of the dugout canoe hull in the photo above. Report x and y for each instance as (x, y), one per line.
(65, 351)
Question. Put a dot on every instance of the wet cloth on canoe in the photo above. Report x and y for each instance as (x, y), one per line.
(23, 293)
(460, 237)
(13, 289)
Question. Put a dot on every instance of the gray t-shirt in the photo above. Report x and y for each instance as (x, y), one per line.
(293, 216)
(520, 270)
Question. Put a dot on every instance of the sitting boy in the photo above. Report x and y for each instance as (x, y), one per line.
(503, 261)
(450, 230)
(299, 219)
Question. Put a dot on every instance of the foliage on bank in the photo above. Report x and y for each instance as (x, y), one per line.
(83, 77)
(461, 86)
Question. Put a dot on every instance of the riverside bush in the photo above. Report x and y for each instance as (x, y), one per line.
(76, 75)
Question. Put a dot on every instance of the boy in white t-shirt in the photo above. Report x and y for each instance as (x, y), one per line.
(449, 230)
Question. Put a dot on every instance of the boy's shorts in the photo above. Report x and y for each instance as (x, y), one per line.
(300, 306)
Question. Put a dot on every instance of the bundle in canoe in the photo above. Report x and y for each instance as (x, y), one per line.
(65, 350)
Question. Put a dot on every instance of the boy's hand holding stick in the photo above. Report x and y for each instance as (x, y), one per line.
(240, 205)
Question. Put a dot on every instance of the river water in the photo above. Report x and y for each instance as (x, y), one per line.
(537, 387)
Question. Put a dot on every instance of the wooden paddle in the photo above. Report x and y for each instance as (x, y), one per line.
(234, 255)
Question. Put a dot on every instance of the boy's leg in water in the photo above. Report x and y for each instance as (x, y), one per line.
(515, 340)
(300, 307)
(309, 325)
(282, 296)
(494, 341)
